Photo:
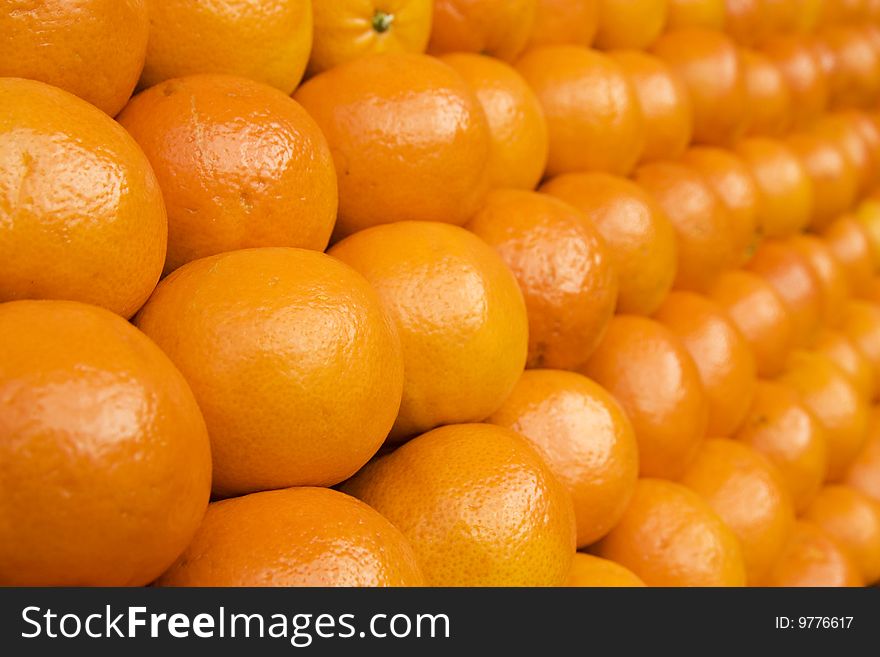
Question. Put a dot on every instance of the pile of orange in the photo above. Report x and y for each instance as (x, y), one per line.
(440, 292)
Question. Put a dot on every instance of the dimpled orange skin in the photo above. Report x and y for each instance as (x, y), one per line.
(593, 114)
(294, 363)
(703, 226)
(829, 274)
(630, 23)
(81, 213)
(295, 537)
(861, 324)
(240, 165)
(848, 242)
(669, 536)
(591, 571)
(749, 495)
(500, 28)
(853, 520)
(812, 558)
(660, 391)
(264, 40)
(346, 30)
(722, 356)
(478, 505)
(790, 275)
(834, 181)
(665, 104)
(708, 62)
(585, 438)
(835, 402)
(696, 13)
(94, 49)
(105, 467)
(769, 99)
(863, 473)
(460, 315)
(785, 204)
(760, 315)
(559, 22)
(781, 428)
(517, 127)
(843, 353)
(639, 235)
(803, 74)
(731, 180)
(409, 140)
(564, 270)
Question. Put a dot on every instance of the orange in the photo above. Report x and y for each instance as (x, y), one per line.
(665, 104)
(563, 267)
(749, 495)
(781, 428)
(790, 274)
(591, 571)
(295, 537)
(240, 165)
(630, 23)
(834, 181)
(743, 20)
(848, 242)
(723, 358)
(490, 27)
(696, 13)
(268, 41)
(639, 235)
(786, 202)
(730, 178)
(94, 49)
(669, 536)
(760, 314)
(584, 437)
(844, 353)
(868, 215)
(703, 226)
(346, 30)
(769, 100)
(409, 140)
(478, 505)
(861, 323)
(852, 519)
(802, 70)
(863, 473)
(291, 358)
(560, 22)
(517, 128)
(709, 64)
(835, 402)
(105, 467)
(460, 315)
(593, 114)
(81, 213)
(855, 79)
(812, 558)
(659, 388)
(845, 131)
(829, 274)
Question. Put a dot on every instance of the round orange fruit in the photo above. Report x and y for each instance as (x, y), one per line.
(863, 473)
(478, 505)
(409, 139)
(459, 313)
(630, 23)
(517, 127)
(769, 100)
(81, 212)
(812, 558)
(293, 362)
(584, 437)
(563, 267)
(559, 22)
(669, 536)
(499, 29)
(240, 164)
(639, 235)
(659, 388)
(591, 571)
(105, 466)
(593, 114)
(295, 537)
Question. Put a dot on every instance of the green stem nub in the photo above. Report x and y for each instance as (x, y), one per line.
(382, 21)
